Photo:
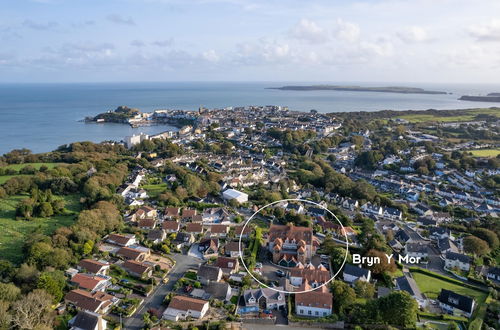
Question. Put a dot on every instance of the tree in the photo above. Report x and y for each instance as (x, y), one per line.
(364, 289)
(487, 235)
(46, 210)
(383, 265)
(33, 311)
(88, 247)
(475, 245)
(345, 296)
(9, 292)
(399, 309)
(53, 283)
(5, 317)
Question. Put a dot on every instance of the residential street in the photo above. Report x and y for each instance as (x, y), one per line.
(183, 263)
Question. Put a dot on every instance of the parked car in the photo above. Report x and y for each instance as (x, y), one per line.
(280, 273)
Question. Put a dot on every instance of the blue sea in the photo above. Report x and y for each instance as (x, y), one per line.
(42, 117)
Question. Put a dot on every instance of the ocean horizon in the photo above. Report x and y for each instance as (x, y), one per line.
(43, 116)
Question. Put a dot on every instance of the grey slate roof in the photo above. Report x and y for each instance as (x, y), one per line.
(355, 271)
(456, 300)
(458, 256)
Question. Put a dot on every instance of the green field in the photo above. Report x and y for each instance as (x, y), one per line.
(468, 116)
(14, 232)
(431, 287)
(17, 167)
(485, 152)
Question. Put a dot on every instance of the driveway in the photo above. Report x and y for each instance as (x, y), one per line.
(155, 299)
(194, 252)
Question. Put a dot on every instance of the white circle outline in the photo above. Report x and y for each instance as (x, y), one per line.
(292, 200)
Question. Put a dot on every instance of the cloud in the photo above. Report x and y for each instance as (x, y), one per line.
(210, 56)
(117, 19)
(308, 31)
(39, 26)
(137, 43)
(487, 31)
(163, 43)
(413, 34)
(347, 31)
(263, 52)
(83, 23)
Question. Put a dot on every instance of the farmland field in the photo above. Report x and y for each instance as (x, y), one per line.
(485, 152)
(14, 232)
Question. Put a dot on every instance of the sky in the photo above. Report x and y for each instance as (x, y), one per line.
(250, 40)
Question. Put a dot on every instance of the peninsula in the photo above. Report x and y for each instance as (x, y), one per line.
(491, 97)
(390, 89)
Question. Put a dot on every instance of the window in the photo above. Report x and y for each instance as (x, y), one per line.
(301, 311)
(309, 312)
(324, 313)
(316, 313)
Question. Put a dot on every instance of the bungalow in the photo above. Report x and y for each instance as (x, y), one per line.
(228, 265)
(446, 245)
(219, 290)
(136, 253)
(172, 212)
(244, 234)
(347, 231)
(263, 298)
(138, 269)
(402, 236)
(219, 230)
(188, 214)
(493, 274)
(426, 222)
(422, 210)
(170, 226)
(194, 228)
(207, 274)
(395, 245)
(181, 307)
(416, 250)
(209, 247)
(215, 215)
(85, 320)
(183, 239)
(121, 240)
(232, 249)
(408, 284)
(456, 304)
(147, 223)
(352, 274)
(93, 267)
(317, 212)
(89, 282)
(317, 303)
(457, 260)
(157, 236)
(96, 302)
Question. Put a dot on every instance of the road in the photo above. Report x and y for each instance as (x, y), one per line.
(183, 262)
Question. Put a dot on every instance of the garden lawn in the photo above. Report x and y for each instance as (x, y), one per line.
(431, 287)
(154, 190)
(14, 232)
